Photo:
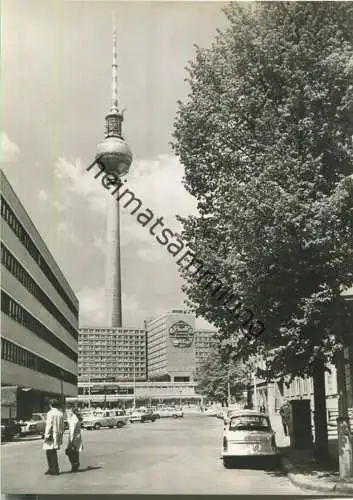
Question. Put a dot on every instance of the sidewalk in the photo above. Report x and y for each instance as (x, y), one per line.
(302, 469)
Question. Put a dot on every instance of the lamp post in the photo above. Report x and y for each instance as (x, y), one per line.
(135, 376)
(255, 392)
(89, 392)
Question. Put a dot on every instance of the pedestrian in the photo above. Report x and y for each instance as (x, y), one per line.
(285, 411)
(74, 445)
(53, 436)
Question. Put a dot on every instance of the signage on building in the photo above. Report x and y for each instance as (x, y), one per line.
(181, 334)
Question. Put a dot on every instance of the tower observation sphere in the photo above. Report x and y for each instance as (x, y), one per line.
(113, 153)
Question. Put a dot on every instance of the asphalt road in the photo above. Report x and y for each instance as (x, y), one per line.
(167, 456)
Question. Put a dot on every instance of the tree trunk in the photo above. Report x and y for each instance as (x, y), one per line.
(320, 414)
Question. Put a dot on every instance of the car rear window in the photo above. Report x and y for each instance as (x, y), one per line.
(249, 422)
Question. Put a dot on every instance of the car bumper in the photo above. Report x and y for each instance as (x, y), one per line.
(241, 453)
(29, 432)
(249, 450)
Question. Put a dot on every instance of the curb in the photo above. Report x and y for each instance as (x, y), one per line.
(313, 484)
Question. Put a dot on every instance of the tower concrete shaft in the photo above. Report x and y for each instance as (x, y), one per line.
(113, 266)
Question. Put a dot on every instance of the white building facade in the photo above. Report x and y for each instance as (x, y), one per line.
(39, 312)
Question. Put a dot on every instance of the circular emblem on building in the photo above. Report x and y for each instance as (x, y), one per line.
(181, 334)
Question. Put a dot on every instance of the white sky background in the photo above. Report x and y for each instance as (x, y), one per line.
(56, 87)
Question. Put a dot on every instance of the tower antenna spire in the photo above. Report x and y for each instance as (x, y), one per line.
(114, 118)
(115, 108)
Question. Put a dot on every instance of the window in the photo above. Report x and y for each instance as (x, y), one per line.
(10, 307)
(21, 274)
(16, 226)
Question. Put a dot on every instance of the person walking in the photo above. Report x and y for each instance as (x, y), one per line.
(285, 411)
(74, 445)
(53, 436)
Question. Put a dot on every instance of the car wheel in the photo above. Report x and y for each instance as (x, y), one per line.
(97, 426)
(227, 462)
(119, 425)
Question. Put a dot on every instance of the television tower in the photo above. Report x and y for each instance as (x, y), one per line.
(114, 154)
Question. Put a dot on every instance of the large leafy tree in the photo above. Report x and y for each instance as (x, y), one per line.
(265, 136)
(215, 375)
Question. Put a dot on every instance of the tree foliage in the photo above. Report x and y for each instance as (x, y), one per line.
(265, 136)
(215, 374)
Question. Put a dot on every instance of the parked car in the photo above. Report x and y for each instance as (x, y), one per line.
(136, 415)
(35, 425)
(178, 413)
(122, 418)
(148, 415)
(143, 415)
(248, 434)
(9, 429)
(165, 412)
(99, 419)
(211, 411)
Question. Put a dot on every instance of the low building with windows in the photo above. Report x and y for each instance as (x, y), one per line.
(107, 353)
(109, 394)
(39, 313)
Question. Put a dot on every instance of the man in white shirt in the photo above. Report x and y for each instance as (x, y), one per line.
(53, 436)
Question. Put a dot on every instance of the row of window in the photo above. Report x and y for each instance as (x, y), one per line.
(9, 216)
(10, 307)
(16, 354)
(126, 334)
(17, 270)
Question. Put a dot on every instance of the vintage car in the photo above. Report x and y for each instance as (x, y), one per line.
(230, 412)
(248, 434)
(211, 411)
(35, 425)
(143, 415)
(106, 418)
(166, 412)
(178, 413)
(9, 429)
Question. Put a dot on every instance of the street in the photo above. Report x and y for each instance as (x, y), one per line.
(167, 456)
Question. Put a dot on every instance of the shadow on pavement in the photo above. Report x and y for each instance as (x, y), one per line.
(23, 439)
(305, 463)
(87, 469)
(273, 468)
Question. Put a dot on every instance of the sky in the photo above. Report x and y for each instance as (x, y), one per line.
(56, 89)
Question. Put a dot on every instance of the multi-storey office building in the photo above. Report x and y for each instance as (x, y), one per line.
(175, 349)
(112, 354)
(171, 347)
(39, 313)
(205, 342)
